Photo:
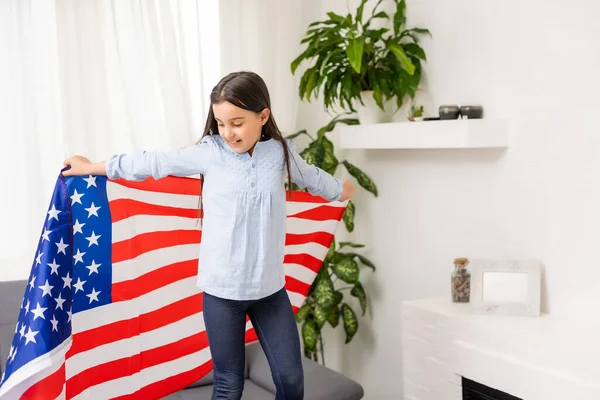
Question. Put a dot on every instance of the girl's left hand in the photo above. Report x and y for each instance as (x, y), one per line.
(347, 191)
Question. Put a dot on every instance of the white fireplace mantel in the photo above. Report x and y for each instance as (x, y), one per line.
(534, 358)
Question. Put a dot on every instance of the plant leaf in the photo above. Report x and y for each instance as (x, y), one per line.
(335, 17)
(303, 312)
(330, 162)
(295, 135)
(350, 322)
(334, 316)
(321, 314)
(358, 291)
(401, 55)
(361, 177)
(348, 216)
(354, 51)
(399, 16)
(415, 49)
(354, 245)
(364, 260)
(337, 298)
(323, 293)
(346, 268)
(310, 334)
(359, 11)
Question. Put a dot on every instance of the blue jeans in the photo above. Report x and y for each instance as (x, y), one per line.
(273, 320)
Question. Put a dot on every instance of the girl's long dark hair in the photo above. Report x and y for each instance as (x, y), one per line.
(248, 91)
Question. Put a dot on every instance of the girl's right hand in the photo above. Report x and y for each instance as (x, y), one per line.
(79, 166)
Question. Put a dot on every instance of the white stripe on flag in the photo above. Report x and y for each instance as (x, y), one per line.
(124, 310)
(114, 191)
(153, 260)
(300, 272)
(300, 226)
(134, 345)
(139, 224)
(298, 207)
(156, 373)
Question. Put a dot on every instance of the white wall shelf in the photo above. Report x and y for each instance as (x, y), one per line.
(447, 134)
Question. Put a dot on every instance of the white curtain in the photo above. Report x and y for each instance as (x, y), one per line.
(93, 77)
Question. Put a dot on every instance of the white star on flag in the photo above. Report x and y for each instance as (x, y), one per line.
(92, 210)
(61, 247)
(53, 213)
(93, 239)
(76, 198)
(54, 267)
(38, 259)
(91, 181)
(46, 234)
(59, 301)
(30, 336)
(79, 256)
(67, 281)
(46, 288)
(93, 267)
(54, 324)
(31, 283)
(38, 312)
(78, 285)
(93, 296)
(77, 227)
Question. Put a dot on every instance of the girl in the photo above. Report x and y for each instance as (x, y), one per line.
(243, 170)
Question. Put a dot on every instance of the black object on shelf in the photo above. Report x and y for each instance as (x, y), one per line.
(476, 391)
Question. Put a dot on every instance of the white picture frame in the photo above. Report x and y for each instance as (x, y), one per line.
(506, 287)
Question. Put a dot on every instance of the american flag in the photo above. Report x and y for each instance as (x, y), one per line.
(112, 310)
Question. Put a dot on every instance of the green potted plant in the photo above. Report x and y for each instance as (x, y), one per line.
(359, 67)
(416, 113)
(340, 271)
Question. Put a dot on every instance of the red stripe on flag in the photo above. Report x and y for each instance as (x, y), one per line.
(124, 329)
(48, 388)
(250, 336)
(124, 208)
(170, 385)
(323, 238)
(140, 244)
(173, 185)
(306, 260)
(153, 280)
(321, 213)
(305, 197)
(296, 286)
(130, 365)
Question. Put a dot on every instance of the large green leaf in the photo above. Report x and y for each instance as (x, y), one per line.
(364, 260)
(362, 178)
(350, 322)
(295, 135)
(354, 51)
(358, 291)
(331, 125)
(335, 17)
(334, 316)
(330, 162)
(345, 268)
(310, 334)
(323, 293)
(337, 297)
(314, 154)
(402, 57)
(348, 216)
(416, 50)
(303, 312)
(321, 314)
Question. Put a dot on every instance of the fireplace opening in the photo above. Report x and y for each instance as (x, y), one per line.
(476, 391)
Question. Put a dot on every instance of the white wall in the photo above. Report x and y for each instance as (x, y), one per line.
(532, 62)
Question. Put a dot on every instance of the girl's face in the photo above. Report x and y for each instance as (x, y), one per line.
(239, 128)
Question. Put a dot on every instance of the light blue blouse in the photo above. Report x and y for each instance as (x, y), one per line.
(244, 226)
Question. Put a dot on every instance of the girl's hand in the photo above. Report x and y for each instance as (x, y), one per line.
(79, 166)
(347, 191)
